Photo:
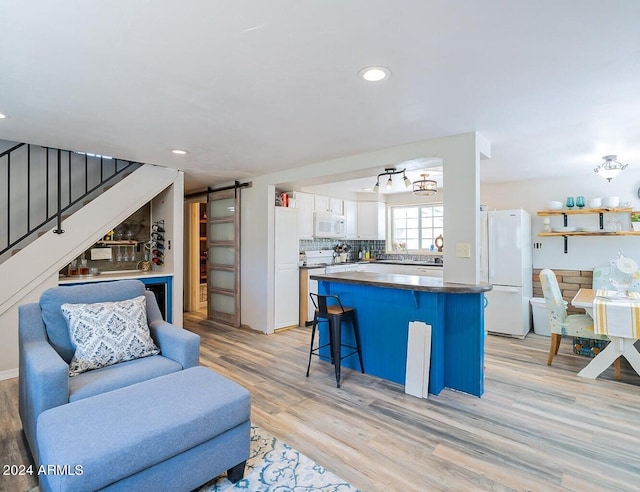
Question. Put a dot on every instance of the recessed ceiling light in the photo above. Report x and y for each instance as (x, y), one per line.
(375, 74)
(2, 116)
(179, 152)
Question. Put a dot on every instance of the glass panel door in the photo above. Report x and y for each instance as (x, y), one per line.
(223, 256)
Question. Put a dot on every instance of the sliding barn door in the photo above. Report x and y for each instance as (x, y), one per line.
(223, 256)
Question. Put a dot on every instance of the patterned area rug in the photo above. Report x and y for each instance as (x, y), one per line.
(276, 466)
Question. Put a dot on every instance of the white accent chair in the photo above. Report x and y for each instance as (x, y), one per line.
(575, 325)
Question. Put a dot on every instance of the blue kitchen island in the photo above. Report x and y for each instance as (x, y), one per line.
(386, 303)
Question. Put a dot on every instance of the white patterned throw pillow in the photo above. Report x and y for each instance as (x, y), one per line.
(106, 333)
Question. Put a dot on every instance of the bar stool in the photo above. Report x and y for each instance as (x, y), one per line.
(334, 314)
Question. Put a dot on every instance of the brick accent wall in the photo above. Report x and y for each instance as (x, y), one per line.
(569, 281)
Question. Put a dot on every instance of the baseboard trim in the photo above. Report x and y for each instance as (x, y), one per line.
(10, 374)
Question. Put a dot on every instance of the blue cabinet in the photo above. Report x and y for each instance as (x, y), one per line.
(162, 288)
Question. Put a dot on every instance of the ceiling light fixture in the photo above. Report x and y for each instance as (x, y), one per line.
(375, 74)
(610, 168)
(179, 151)
(424, 186)
(2, 116)
(390, 171)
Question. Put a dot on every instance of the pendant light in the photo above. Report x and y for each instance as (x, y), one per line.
(610, 168)
(390, 171)
(424, 186)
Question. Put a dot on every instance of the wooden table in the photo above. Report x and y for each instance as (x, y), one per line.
(619, 346)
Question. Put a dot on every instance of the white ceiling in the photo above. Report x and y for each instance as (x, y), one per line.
(250, 87)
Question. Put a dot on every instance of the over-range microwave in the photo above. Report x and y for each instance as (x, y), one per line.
(327, 225)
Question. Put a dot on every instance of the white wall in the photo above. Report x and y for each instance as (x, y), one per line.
(256, 253)
(460, 154)
(583, 252)
(9, 329)
(169, 206)
(6, 144)
(329, 190)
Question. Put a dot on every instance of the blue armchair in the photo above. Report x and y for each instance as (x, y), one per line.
(46, 350)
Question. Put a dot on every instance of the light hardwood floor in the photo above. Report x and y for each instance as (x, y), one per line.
(536, 428)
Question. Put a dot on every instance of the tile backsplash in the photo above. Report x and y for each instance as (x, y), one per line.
(376, 247)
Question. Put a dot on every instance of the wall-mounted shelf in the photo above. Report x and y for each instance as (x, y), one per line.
(591, 233)
(122, 242)
(581, 211)
(587, 211)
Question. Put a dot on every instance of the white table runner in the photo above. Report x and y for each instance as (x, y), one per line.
(616, 315)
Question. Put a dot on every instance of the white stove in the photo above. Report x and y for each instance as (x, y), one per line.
(319, 258)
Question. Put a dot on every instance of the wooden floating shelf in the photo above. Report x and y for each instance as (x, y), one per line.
(584, 211)
(566, 211)
(123, 242)
(590, 233)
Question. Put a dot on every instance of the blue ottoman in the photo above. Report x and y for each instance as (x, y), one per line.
(174, 432)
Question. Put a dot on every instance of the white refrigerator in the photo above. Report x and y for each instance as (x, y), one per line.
(506, 263)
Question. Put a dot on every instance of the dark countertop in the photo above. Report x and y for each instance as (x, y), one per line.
(308, 267)
(382, 262)
(405, 282)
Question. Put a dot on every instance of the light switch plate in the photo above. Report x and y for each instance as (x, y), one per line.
(463, 250)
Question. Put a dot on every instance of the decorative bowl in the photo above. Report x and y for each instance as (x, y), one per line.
(611, 201)
(595, 202)
(554, 205)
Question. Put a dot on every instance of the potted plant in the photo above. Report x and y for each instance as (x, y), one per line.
(635, 221)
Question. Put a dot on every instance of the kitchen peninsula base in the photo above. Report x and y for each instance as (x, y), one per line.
(386, 303)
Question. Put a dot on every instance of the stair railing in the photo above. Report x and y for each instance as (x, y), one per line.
(64, 178)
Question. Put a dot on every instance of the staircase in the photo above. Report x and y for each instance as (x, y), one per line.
(40, 186)
(105, 199)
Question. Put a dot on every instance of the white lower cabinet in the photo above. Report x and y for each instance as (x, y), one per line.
(286, 309)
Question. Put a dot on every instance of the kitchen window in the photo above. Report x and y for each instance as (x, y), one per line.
(415, 228)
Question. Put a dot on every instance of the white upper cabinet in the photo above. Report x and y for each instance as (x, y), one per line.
(336, 206)
(350, 210)
(304, 202)
(321, 203)
(327, 204)
(371, 220)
